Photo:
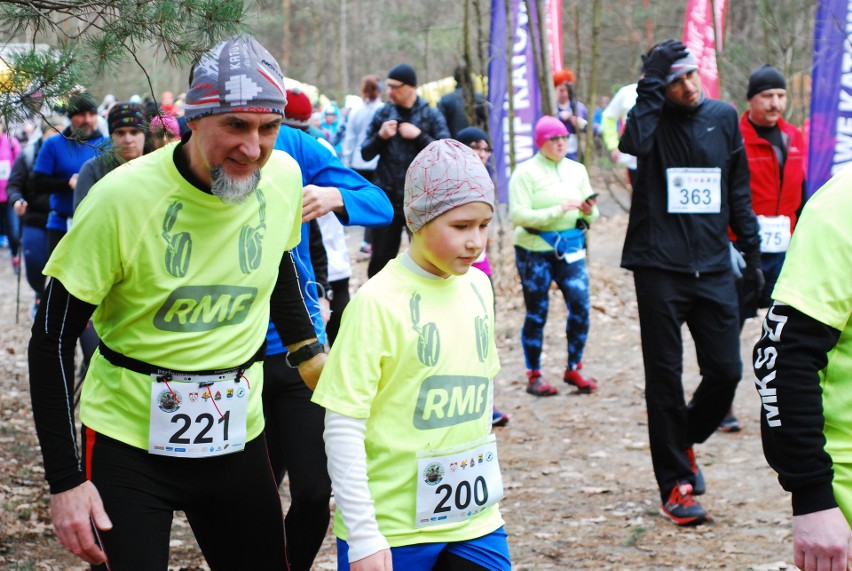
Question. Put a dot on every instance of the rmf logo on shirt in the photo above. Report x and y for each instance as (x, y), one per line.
(445, 400)
(203, 308)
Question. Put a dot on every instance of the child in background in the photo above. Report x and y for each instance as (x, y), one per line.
(408, 386)
(477, 140)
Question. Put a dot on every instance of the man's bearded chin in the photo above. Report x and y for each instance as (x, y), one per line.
(232, 190)
(81, 132)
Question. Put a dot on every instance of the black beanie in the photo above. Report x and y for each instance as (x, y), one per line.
(81, 103)
(763, 78)
(470, 135)
(404, 73)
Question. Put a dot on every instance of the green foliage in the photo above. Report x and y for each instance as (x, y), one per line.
(93, 37)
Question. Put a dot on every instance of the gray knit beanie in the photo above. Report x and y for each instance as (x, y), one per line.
(236, 76)
(444, 175)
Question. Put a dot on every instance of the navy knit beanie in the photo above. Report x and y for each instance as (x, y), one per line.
(470, 135)
(763, 78)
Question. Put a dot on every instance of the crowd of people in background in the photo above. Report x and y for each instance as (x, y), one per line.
(711, 220)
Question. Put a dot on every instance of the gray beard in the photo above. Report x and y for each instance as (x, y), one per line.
(232, 190)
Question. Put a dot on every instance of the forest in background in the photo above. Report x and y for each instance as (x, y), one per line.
(333, 43)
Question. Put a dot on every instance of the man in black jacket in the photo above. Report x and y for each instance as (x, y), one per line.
(397, 133)
(692, 184)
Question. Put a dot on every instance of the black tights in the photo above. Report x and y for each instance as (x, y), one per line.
(294, 427)
(230, 501)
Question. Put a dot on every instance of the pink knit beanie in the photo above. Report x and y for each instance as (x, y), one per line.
(548, 127)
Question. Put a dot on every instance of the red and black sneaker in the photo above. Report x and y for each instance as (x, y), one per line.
(682, 508)
(585, 385)
(538, 386)
(700, 486)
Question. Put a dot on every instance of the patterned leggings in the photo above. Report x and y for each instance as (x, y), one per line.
(537, 270)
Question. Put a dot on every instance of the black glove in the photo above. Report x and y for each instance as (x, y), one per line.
(659, 60)
(753, 280)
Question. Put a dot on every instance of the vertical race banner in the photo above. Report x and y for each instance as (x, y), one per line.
(554, 33)
(700, 37)
(525, 93)
(831, 93)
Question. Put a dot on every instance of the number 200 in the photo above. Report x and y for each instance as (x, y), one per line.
(463, 495)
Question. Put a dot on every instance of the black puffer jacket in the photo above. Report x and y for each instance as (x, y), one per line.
(663, 135)
(396, 153)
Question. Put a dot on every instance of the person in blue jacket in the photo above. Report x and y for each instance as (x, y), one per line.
(294, 425)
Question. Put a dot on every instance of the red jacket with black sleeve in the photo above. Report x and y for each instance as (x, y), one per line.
(769, 196)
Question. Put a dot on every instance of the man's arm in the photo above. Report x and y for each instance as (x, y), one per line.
(643, 119)
(59, 322)
(85, 180)
(373, 144)
(331, 187)
(17, 183)
(787, 361)
(75, 503)
(291, 319)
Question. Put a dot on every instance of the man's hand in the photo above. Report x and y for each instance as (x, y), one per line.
(409, 131)
(822, 541)
(20, 207)
(73, 513)
(388, 129)
(325, 310)
(320, 200)
(378, 561)
(72, 182)
(660, 60)
(753, 280)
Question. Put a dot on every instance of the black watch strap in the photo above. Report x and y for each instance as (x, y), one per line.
(303, 353)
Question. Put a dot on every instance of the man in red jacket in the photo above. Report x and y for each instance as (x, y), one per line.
(775, 151)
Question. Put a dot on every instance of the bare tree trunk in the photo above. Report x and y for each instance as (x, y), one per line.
(717, 46)
(649, 28)
(578, 64)
(538, 38)
(482, 70)
(286, 35)
(467, 85)
(593, 82)
(546, 82)
(344, 50)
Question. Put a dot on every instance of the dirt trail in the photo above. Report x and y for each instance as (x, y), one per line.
(580, 490)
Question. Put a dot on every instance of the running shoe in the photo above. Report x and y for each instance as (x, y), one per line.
(585, 385)
(681, 507)
(499, 418)
(537, 386)
(730, 424)
(700, 486)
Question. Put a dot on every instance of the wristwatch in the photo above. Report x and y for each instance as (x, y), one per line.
(303, 353)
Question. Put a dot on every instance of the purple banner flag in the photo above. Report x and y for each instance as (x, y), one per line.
(525, 96)
(831, 93)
